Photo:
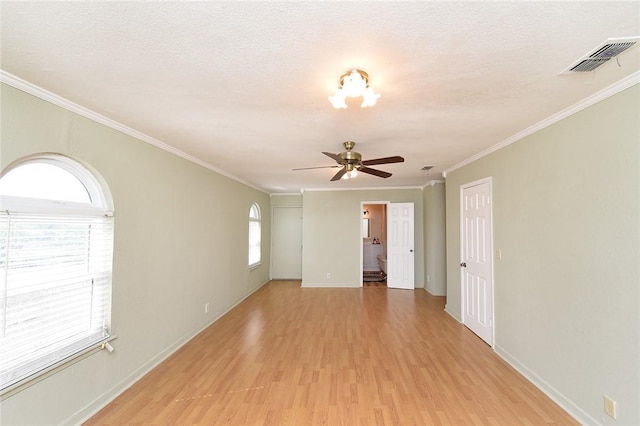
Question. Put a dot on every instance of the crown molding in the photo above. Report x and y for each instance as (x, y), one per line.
(45, 95)
(361, 189)
(603, 94)
(276, 194)
(433, 182)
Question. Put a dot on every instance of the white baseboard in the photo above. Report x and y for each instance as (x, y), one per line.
(103, 400)
(455, 315)
(432, 293)
(569, 406)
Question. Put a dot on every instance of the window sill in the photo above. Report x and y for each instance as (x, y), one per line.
(254, 266)
(31, 380)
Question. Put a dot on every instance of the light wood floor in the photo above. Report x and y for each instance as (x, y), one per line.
(304, 356)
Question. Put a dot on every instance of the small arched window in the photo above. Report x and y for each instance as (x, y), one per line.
(56, 247)
(254, 236)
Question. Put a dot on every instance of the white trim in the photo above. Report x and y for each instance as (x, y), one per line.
(57, 100)
(362, 189)
(40, 206)
(430, 292)
(273, 194)
(38, 376)
(433, 182)
(556, 396)
(614, 89)
(453, 314)
(103, 400)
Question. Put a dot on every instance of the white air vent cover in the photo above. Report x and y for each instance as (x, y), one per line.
(610, 48)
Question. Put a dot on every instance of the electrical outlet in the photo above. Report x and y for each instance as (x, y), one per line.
(206, 308)
(610, 407)
(499, 254)
(428, 278)
(328, 274)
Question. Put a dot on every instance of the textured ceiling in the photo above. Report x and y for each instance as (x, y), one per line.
(243, 86)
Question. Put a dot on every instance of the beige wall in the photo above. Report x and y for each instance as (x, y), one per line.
(566, 216)
(286, 200)
(181, 234)
(435, 239)
(331, 235)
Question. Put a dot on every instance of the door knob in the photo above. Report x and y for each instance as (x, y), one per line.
(463, 264)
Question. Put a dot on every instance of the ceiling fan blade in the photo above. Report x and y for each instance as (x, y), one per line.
(374, 172)
(384, 160)
(320, 167)
(339, 175)
(336, 157)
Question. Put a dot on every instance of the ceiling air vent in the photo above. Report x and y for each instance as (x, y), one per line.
(426, 168)
(610, 48)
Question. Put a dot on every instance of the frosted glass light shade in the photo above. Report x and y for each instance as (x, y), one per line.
(354, 84)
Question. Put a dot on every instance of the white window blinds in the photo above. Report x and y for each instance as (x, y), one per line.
(56, 247)
(55, 285)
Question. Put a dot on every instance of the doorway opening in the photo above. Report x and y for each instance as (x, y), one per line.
(373, 265)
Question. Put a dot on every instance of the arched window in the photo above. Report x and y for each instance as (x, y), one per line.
(254, 236)
(56, 246)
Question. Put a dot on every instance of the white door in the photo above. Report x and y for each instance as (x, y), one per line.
(400, 255)
(476, 264)
(286, 243)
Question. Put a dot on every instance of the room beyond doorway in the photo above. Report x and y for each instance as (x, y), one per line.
(373, 268)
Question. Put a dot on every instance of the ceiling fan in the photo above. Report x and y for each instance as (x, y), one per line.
(350, 163)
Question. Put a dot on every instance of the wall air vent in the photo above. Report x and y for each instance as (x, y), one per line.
(606, 50)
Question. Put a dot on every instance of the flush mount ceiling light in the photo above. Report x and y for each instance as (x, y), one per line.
(354, 84)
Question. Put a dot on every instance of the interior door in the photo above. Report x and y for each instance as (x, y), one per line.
(400, 250)
(286, 243)
(476, 264)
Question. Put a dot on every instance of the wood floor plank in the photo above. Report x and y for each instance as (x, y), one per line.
(308, 356)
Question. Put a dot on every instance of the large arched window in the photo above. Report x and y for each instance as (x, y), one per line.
(254, 236)
(56, 246)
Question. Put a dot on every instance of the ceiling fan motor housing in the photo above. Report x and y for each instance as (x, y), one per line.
(350, 157)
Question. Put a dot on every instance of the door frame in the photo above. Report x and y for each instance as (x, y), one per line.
(362, 204)
(464, 186)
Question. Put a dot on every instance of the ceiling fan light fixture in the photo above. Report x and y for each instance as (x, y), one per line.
(350, 175)
(354, 84)
(350, 171)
